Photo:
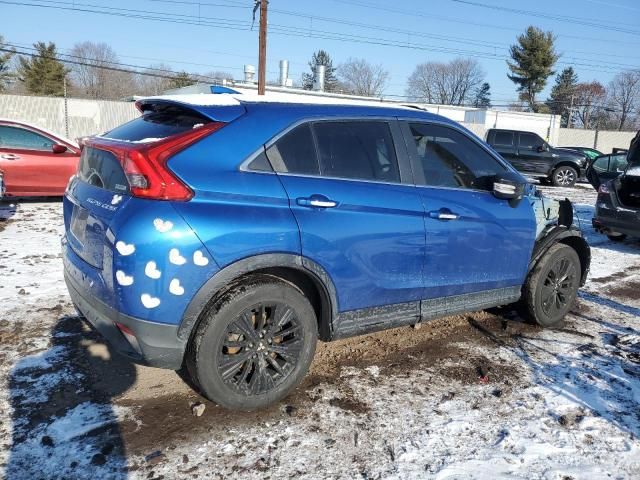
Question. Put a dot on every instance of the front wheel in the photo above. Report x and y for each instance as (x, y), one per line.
(564, 176)
(255, 345)
(552, 286)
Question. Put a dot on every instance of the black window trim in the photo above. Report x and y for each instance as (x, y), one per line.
(405, 121)
(402, 155)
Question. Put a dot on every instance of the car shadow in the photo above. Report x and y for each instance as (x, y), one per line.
(598, 375)
(64, 423)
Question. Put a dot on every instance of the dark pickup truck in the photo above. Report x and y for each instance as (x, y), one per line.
(531, 155)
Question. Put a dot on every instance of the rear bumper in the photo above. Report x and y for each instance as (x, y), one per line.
(608, 225)
(158, 344)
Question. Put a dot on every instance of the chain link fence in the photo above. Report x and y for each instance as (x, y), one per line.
(71, 117)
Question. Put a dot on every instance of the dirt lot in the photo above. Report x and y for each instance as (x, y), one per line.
(475, 396)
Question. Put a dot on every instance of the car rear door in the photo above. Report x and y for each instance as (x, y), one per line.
(504, 142)
(474, 241)
(360, 217)
(31, 167)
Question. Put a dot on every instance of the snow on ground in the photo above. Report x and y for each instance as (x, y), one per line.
(474, 396)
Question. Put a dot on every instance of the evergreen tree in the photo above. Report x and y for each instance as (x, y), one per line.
(330, 81)
(182, 79)
(482, 96)
(43, 74)
(533, 58)
(559, 101)
(5, 73)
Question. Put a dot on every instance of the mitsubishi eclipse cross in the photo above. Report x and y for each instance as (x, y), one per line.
(224, 235)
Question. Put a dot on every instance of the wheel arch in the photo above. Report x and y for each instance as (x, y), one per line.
(565, 163)
(300, 271)
(568, 236)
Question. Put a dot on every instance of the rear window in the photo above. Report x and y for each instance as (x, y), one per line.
(102, 169)
(504, 139)
(160, 122)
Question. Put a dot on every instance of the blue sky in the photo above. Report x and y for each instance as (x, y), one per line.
(599, 36)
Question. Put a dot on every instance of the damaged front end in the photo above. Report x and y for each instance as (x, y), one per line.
(555, 224)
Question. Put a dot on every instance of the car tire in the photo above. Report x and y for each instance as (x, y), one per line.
(619, 237)
(564, 176)
(552, 286)
(254, 345)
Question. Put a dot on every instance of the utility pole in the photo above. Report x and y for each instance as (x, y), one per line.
(262, 53)
(570, 119)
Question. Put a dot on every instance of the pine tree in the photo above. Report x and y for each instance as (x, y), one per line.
(559, 101)
(5, 73)
(330, 81)
(533, 59)
(482, 96)
(182, 79)
(43, 74)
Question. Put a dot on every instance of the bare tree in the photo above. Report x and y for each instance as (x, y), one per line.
(359, 77)
(589, 103)
(154, 85)
(624, 96)
(93, 78)
(450, 83)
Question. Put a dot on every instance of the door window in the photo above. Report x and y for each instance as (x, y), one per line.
(530, 141)
(451, 159)
(357, 150)
(15, 137)
(618, 163)
(295, 152)
(503, 139)
(601, 164)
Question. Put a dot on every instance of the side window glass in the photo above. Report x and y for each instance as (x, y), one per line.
(15, 137)
(451, 159)
(260, 163)
(503, 139)
(618, 163)
(357, 150)
(601, 164)
(529, 141)
(295, 152)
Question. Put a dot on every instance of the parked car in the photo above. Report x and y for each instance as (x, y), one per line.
(531, 155)
(605, 168)
(225, 234)
(590, 153)
(617, 212)
(35, 162)
(1, 185)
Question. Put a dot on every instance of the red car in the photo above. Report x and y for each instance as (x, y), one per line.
(35, 162)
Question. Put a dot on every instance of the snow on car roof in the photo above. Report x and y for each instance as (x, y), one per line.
(41, 129)
(236, 99)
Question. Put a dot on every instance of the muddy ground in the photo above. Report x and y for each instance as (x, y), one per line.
(482, 395)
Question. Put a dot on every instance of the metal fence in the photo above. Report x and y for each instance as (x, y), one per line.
(67, 117)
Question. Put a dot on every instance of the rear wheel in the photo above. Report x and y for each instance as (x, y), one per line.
(552, 286)
(616, 237)
(255, 345)
(564, 176)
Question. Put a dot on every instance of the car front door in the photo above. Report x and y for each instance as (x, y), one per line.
(31, 167)
(360, 216)
(533, 154)
(474, 241)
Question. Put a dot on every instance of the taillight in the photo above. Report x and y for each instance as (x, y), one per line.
(603, 188)
(145, 164)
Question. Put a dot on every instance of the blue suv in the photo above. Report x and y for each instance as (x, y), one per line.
(223, 235)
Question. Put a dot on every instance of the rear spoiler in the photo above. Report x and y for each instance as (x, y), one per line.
(217, 108)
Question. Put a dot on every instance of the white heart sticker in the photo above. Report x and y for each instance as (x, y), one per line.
(199, 259)
(151, 270)
(123, 279)
(175, 287)
(125, 248)
(176, 258)
(149, 301)
(163, 226)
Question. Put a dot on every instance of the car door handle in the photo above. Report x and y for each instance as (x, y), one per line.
(10, 156)
(443, 214)
(316, 201)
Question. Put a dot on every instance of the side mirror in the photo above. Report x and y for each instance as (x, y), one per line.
(543, 148)
(57, 148)
(509, 186)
